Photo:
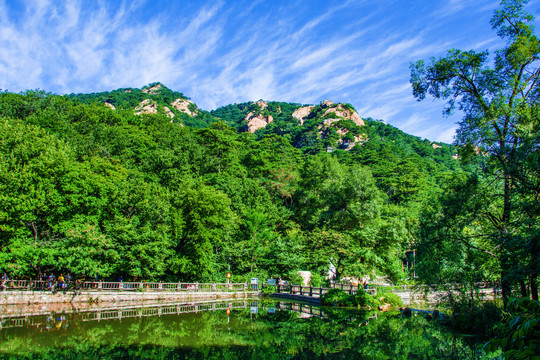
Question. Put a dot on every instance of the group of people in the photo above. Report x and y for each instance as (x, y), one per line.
(52, 283)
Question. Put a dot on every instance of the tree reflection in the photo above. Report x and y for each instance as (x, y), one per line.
(266, 330)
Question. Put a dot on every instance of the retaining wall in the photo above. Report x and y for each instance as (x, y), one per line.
(410, 297)
(46, 297)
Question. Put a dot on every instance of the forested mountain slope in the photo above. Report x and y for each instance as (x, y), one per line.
(172, 192)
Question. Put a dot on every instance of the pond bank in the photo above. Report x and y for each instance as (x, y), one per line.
(14, 297)
(236, 328)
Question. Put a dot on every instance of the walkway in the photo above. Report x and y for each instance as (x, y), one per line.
(408, 293)
(34, 285)
(314, 294)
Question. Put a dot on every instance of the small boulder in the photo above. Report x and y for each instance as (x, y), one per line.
(407, 312)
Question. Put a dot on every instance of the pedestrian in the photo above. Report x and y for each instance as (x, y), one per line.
(68, 280)
(61, 281)
(4, 281)
(50, 281)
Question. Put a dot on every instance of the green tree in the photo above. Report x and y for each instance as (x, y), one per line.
(207, 223)
(499, 102)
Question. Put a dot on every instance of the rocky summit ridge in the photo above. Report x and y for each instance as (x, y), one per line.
(327, 124)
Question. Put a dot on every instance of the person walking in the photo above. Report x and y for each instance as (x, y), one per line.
(50, 281)
(68, 280)
(4, 281)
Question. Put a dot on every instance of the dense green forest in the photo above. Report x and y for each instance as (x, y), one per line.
(142, 183)
(92, 190)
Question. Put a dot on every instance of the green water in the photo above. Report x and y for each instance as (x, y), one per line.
(254, 329)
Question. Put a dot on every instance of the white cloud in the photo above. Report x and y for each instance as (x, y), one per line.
(225, 52)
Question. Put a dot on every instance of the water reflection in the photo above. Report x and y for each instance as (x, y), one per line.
(223, 329)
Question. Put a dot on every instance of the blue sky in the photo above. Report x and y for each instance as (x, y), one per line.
(222, 52)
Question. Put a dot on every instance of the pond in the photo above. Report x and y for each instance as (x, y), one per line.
(236, 329)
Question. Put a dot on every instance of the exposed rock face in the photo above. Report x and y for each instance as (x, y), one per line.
(110, 105)
(436, 146)
(262, 104)
(345, 143)
(168, 112)
(183, 106)
(336, 113)
(153, 90)
(348, 144)
(146, 107)
(327, 103)
(255, 122)
(300, 113)
(344, 113)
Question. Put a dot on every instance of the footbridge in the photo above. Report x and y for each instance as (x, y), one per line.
(408, 293)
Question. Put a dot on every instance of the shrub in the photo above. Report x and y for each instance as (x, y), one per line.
(362, 298)
(472, 315)
(335, 297)
(517, 335)
(316, 280)
(341, 298)
(268, 290)
(295, 278)
(387, 297)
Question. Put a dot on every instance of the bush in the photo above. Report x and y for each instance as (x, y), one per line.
(268, 290)
(387, 297)
(341, 298)
(475, 316)
(517, 334)
(295, 278)
(246, 278)
(362, 298)
(335, 297)
(316, 280)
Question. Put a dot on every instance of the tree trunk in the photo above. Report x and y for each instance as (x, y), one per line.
(523, 288)
(506, 283)
(534, 286)
(506, 267)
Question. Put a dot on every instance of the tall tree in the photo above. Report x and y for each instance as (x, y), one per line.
(498, 99)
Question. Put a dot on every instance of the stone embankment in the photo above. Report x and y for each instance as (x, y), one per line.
(422, 293)
(15, 297)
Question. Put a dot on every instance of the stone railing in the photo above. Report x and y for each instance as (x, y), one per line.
(121, 286)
